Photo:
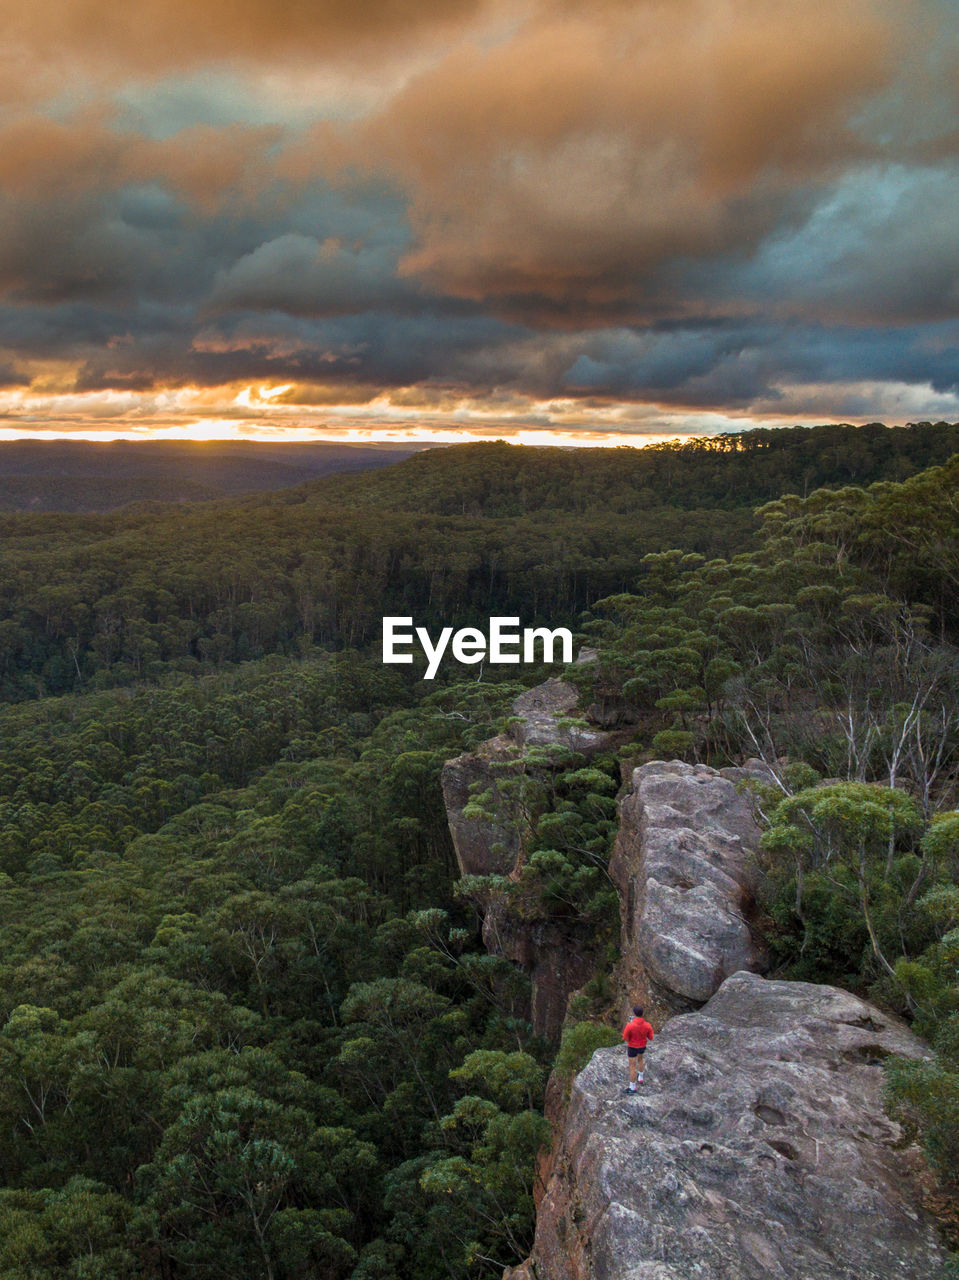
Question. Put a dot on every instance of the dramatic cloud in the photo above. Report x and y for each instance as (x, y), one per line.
(300, 275)
(589, 214)
(577, 163)
(107, 41)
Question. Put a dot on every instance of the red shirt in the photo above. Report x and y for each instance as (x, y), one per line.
(637, 1033)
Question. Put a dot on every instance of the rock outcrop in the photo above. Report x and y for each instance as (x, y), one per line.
(543, 717)
(555, 954)
(758, 1149)
(484, 845)
(682, 864)
(549, 715)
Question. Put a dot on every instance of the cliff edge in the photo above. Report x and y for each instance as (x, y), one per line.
(556, 955)
(758, 1149)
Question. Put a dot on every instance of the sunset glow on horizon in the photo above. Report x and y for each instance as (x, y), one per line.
(257, 413)
(589, 223)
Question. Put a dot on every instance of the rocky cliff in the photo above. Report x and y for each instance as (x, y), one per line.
(683, 867)
(556, 955)
(681, 864)
(758, 1149)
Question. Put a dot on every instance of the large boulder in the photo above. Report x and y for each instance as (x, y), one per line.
(758, 1149)
(683, 867)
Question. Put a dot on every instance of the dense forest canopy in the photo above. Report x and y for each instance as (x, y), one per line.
(247, 1024)
(450, 534)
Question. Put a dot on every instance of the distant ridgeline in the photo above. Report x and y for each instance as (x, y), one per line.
(248, 1027)
(741, 469)
(72, 476)
(451, 536)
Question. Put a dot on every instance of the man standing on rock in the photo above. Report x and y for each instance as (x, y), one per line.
(637, 1033)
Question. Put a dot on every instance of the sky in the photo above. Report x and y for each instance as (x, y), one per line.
(555, 221)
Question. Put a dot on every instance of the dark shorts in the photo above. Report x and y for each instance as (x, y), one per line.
(635, 1053)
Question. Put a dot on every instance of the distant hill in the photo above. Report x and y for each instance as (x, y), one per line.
(83, 476)
(735, 471)
(727, 472)
(457, 534)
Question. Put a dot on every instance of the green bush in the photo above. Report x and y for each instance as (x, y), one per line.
(580, 1041)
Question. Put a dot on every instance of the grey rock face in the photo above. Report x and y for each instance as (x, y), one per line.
(483, 846)
(757, 1149)
(682, 867)
(543, 710)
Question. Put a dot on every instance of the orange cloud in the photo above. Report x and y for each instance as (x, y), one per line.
(106, 40)
(569, 162)
(40, 157)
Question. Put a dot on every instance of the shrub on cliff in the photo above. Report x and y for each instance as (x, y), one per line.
(580, 1041)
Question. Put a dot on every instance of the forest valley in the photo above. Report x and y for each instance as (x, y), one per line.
(248, 1026)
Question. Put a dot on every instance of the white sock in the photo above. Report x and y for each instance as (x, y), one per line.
(640, 1077)
(632, 1087)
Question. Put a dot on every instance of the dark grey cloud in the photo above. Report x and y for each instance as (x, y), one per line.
(736, 365)
(879, 244)
(302, 275)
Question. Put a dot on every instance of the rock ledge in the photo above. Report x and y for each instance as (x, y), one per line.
(758, 1149)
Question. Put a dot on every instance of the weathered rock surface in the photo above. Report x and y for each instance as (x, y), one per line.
(682, 867)
(543, 712)
(757, 1149)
